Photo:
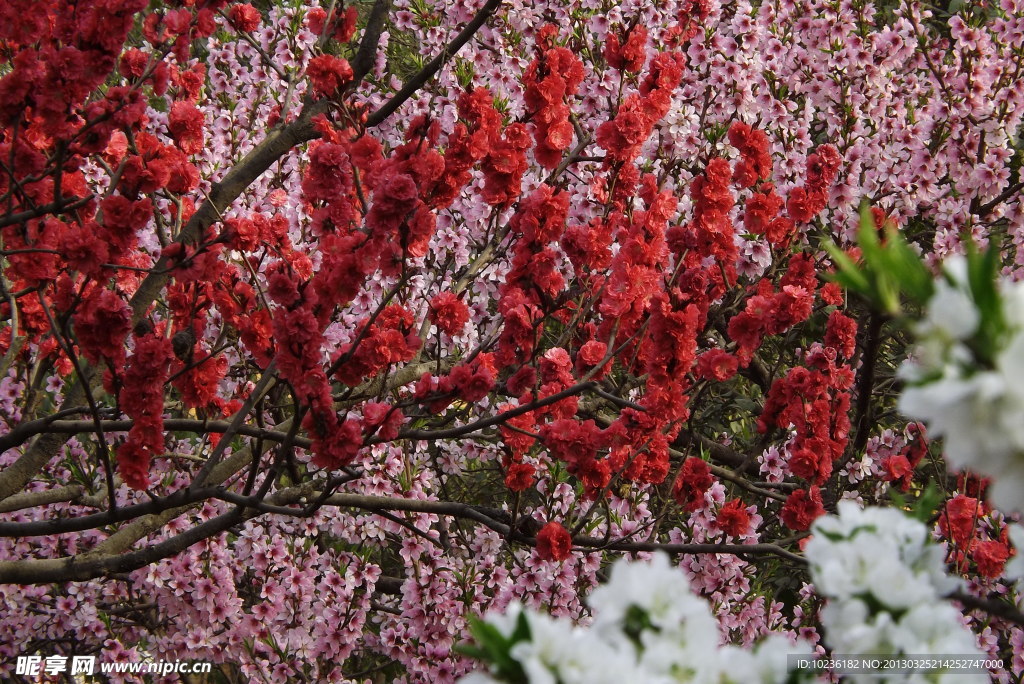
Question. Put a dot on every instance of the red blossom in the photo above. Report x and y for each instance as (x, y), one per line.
(343, 25)
(522, 380)
(553, 542)
(717, 364)
(801, 205)
(244, 17)
(897, 469)
(474, 380)
(519, 477)
(755, 161)
(449, 313)
(802, 508)
(841, 333)
(832, 294)
(959, 519)
(385, 419)
(549, 81)
(990, 557)
(733, 518)
(102, 324)
(142, 398)
(591, 353)
(693, 481)
(328, 73)
(186, 124)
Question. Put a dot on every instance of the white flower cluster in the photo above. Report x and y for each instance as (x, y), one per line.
(883, 578)
(884, 582)
(978, 411)
(649, 627)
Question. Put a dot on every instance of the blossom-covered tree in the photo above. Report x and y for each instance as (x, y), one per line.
(327, 327)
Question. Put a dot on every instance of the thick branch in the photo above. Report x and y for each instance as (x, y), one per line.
(64, 205)
(367, 54)
(102, 561)
(997, 608)
(74, 427)
(44, 497)
(90, 566)
(278, 143)
(428, 72)
(498, 418)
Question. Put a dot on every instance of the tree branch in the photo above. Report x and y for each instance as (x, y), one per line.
(419, 80)
(367, 54)
(103, 560)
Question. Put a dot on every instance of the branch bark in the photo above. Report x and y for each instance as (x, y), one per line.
(419, 80)
(108, 558)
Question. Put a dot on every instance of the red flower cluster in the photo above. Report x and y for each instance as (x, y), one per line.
(157, 167)
(553, 542)
(519, 476)
(733, 518)
(761, 216)
(668, 352)
(693, 481)
(199, 385)
(588, 247)
(468, 143)
(551, 79)
(755, 162)
(244, 17)
(960, 518)
(841, 333)
(990, 556)
(102, 325)
(390, 340)
(814, 401)
(710, 232)
(298, 327)
(186, 125)
(71, 54)
(773, 313)
(591, 353)
(142, 399)
(899, 468)
(691, 15)
(717, 364)
(572, 441)
(961, 522)
(448, 313)
(805, 202)
(382, 418)
(474, 380)
(802, 508)
(623, 136)
(628, 53)
(343, 24)
(505, 165)
(534, 280)
(479, 138)
(328, 73)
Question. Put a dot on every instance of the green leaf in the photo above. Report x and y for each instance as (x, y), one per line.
(494, 647)
(982, 277)
(522, 630)
(470, 651)
(924, 508)
(917, 282)
(867, 236)
(847, 274)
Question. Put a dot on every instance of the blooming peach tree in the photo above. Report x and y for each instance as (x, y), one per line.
(327, 328)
